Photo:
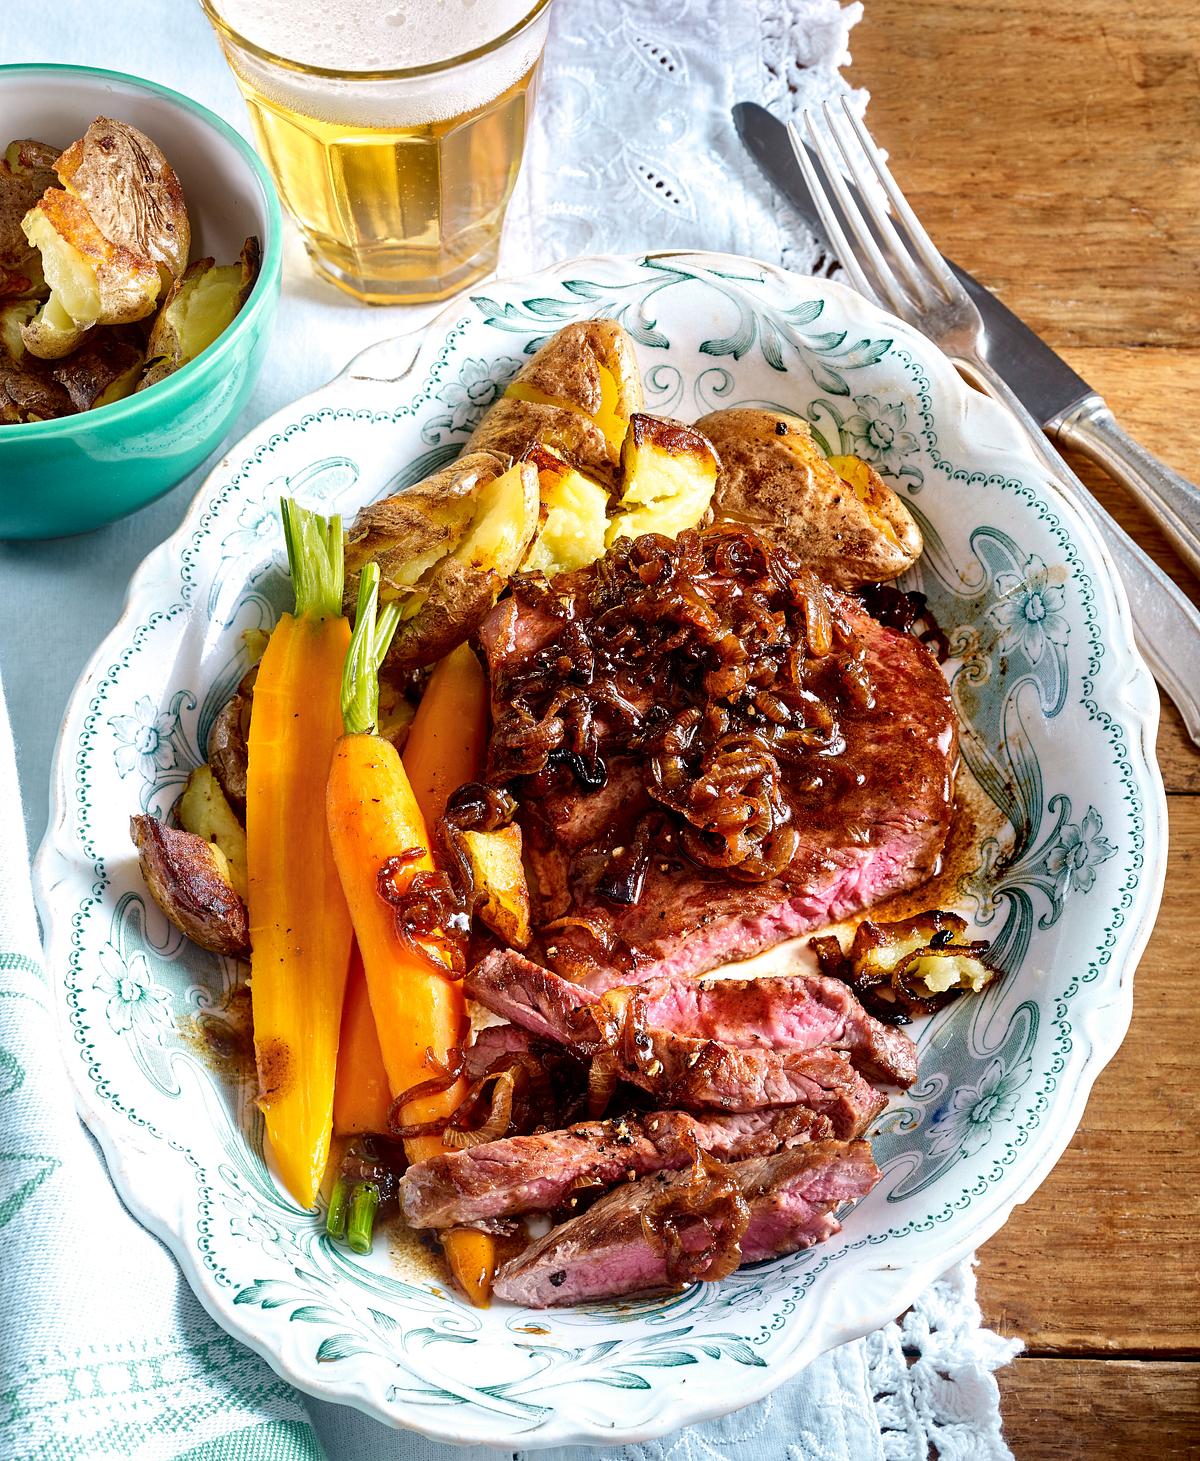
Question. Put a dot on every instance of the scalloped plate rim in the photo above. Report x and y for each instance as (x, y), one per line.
(1138, 700)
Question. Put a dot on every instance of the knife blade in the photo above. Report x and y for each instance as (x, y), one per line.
(1046, 384)
(1068, 409)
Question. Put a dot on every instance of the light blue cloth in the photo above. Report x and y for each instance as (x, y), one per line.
(104, 1352)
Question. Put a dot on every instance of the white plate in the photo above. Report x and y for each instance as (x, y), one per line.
(1059, 717)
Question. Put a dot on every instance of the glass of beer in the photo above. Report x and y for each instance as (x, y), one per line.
(393, 128)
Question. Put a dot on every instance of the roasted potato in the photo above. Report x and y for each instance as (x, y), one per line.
(25, 173)
(201, 305)
(774, 476)
(189, 879)
(499, 877)
(105, 368)
(92, 280)
(204, 811)
(668, 473)
(575, 396)
(29, 393)
(13, 314)
(462, 587)
(445, 548)
(574, 516)
(131, 193)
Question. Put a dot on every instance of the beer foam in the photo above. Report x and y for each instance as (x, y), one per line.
(367, 35)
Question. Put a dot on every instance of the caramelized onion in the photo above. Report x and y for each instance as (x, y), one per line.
(602, 1082)
(498, 1121)
(705, 665)
(708, 1202)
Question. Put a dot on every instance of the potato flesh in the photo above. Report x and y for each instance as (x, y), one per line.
(499, 875)
(12, 317)
(205, 812)
(606, 418)
(75, 295)
(666, 491)
(576, 519)
(204, 308)
(863, 480)
(500, 529)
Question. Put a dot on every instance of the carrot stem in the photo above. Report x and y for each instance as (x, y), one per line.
(299, 922)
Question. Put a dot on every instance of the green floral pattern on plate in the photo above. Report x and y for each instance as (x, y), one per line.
(1058, 715)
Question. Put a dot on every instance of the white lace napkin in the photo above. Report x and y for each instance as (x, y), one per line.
(104, 1353)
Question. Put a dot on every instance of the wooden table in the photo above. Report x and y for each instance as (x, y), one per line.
(1053, 148)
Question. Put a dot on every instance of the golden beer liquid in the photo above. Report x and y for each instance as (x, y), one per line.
(398, 213)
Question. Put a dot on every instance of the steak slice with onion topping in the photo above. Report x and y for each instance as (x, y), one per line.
(712, 752)
(635, 1238)
(677, 1070)
(538, 1173)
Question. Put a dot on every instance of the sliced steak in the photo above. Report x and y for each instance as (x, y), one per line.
(616, 899)
(607, 1251)
(538, 1173)
(784, 1012)
(678, 1070)
(493, 1042)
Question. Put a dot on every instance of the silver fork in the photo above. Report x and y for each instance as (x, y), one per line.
(892, 260)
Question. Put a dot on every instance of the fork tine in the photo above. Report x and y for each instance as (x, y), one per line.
(918, 286)
(919, 240)
(829, 218)
(884, 285)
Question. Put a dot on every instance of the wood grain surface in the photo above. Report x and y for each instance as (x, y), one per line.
(1053, 148)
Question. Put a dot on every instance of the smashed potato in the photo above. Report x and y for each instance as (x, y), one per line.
(463, 586)
(773, 477)
(498, 874)
(575, 396)
(26, 171)
(92, 280)
(201, 305)
(189, 879)
(105, 368)
(445, 549)
(132, 195)
(29, 393)
(668, 474)
(205, 812)
(574, 517)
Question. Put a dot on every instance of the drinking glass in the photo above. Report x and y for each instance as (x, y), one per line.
(398, 179)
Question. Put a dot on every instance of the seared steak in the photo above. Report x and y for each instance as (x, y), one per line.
(607, 1250)
(678, 1070)
(784, 1012)
(538, 1173)
(630, 879)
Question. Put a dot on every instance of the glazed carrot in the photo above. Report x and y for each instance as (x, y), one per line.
(445, 748)
(373, 816)
(299, 922)
(448, 738)
(361, 1097)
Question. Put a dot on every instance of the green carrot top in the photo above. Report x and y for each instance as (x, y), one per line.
(315, 558)
(373, 630)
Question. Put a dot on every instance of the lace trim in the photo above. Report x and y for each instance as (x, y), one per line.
(805, 43)
(932, 1377)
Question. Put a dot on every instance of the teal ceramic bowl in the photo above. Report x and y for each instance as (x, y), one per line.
(77, 473)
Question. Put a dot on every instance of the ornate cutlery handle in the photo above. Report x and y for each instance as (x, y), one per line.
(1171, 500)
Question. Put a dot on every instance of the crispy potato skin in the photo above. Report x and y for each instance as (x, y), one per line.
(131, 192)
(567, 368)
(774, 476)
(127, 284)
(228, 750)
(105, 356)
(514, 427)
(186, 880)
(428, 518)
(461, 592)
(29, 393)
(26, 171)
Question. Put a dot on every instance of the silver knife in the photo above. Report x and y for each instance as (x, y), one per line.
(1068, 409)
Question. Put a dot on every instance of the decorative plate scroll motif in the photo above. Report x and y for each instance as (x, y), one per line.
(1058, 718)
